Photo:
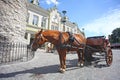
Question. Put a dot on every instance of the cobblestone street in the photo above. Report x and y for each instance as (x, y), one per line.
(44, 66)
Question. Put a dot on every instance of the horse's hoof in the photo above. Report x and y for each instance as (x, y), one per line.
(81, 65)
(62, 70)
(78, 64)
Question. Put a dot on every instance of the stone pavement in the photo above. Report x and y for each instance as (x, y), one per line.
(44, 66)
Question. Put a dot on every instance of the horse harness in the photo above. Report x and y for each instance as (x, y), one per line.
(70, 44)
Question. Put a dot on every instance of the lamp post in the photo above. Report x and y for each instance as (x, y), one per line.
(64, 12)
(83, 31)
(64, 18)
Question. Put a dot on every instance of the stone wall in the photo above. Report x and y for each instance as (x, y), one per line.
(12, 29)
(13, 20)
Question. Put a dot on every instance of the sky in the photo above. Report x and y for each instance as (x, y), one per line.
(97, 17)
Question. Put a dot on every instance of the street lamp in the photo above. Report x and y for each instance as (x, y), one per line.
(64, 12)
(64, 19)
(83, 31)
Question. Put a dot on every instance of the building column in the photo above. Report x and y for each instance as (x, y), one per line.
(28, 38)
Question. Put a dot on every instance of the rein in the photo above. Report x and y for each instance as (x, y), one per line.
(37, 40)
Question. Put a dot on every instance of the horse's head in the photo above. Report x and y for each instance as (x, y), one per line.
(38, 40)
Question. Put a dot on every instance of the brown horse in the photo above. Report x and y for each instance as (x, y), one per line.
(64, 42)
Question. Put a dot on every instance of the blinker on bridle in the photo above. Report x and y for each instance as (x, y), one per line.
(38, 40)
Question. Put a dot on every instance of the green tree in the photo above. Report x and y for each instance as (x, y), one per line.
(115, 36)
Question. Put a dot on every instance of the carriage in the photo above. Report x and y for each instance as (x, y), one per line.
(101, 45)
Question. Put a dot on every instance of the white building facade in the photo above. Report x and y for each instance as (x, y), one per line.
(40, 18)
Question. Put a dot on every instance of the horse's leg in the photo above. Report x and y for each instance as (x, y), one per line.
(62, 58)
(80, 58)
(78, 53)
(63, 61)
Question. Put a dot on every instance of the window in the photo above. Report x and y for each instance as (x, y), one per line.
(67, 28)
(52, 27)
(43, 23)
(35, 20)
(55, 19)
(56, 28)
(25, 35)
(71, 30)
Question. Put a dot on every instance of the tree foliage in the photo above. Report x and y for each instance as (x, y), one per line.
(115, 36)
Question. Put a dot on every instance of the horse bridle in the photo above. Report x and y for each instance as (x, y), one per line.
(38, 39)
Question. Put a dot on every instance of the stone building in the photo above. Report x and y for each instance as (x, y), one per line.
(50, 19)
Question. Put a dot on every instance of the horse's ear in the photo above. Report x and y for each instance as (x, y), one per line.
(40, 31)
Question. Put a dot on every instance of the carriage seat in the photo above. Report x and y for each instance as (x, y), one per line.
(95, 41)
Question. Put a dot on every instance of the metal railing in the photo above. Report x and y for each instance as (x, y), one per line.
(12, 52)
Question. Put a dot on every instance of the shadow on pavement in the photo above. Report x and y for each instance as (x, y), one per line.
(95, 63)
(39, 70)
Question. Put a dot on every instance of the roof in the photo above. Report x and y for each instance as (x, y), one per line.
(37, 9)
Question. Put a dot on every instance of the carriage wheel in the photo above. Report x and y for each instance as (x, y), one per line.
(109, 56)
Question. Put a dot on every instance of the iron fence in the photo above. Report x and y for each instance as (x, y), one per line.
(12, 52)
